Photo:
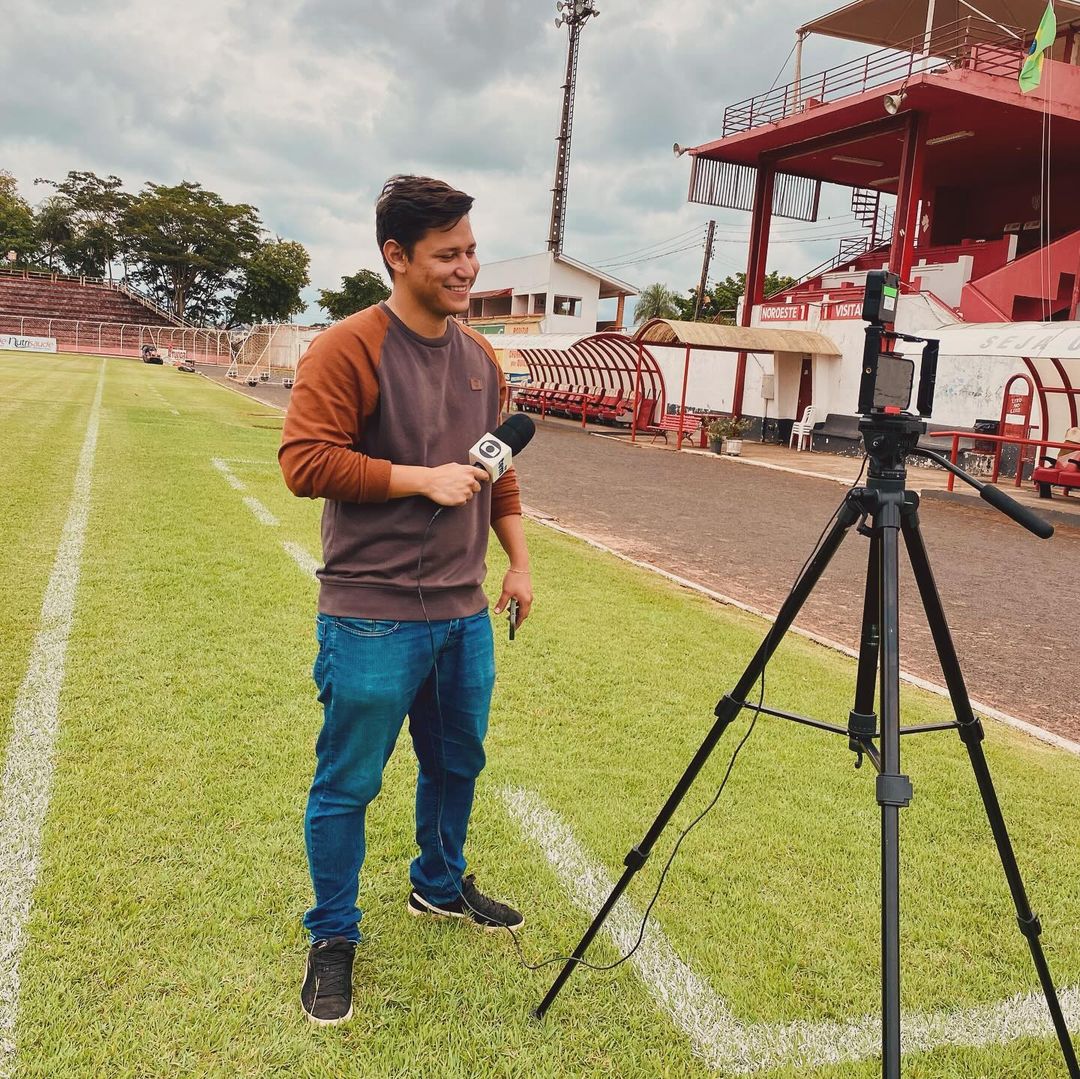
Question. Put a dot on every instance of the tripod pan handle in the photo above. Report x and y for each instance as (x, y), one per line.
(1020, 514)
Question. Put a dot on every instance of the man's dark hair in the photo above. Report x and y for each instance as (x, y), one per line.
(410, 206)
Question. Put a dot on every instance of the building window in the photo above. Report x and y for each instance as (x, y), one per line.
(567, 305)
(539, 303)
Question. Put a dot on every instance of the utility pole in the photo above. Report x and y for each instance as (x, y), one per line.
(573, 14)
(705, 267)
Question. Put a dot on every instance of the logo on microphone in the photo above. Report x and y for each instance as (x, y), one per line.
(489, 448)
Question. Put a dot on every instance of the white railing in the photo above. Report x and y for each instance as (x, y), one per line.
(122, 338)
(973, 44)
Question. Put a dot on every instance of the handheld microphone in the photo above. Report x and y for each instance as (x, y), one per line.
(495, 452)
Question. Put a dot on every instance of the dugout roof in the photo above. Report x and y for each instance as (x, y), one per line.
(714, 335)
(594, 362)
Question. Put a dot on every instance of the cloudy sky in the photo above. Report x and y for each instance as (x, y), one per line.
(304, 107)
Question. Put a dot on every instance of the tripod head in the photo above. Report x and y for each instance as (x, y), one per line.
(889, 431)
(888, 439)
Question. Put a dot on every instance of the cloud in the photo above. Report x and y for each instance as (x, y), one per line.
(304, 107)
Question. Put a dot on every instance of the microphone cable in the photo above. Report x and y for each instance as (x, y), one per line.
(756, 708)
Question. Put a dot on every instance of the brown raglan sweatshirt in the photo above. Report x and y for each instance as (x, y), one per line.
(369, 393)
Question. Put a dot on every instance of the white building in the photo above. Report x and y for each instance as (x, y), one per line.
(545, 293)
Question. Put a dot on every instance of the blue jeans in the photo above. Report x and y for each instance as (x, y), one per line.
(370, 674)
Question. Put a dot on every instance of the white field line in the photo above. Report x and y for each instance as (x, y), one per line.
(234, 481)
(305, 561)
(716, 1036)
(161, 397)
(261, 512)
(912, 679)
(28, 765)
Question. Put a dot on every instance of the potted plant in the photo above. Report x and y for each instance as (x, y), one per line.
(717, 430)
(725, 435)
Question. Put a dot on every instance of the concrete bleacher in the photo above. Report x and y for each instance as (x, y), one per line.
(87, 314)
(47, 296)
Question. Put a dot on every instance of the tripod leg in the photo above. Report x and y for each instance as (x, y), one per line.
(862, 721)
(971, 732)
(726, 710)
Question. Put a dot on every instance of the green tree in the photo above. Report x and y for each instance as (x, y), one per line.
(656, 301)
(95, 208)
(16, 223)
(363, 289)
(54, 231)
(273, 277)
(188, 247)
(721, 302)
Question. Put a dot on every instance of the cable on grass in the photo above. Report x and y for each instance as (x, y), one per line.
(756, 708)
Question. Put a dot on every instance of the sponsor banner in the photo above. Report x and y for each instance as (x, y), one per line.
(20, 343)
(846, 309)
(783, 312)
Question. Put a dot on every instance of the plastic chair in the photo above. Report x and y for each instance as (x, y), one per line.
(803, 428)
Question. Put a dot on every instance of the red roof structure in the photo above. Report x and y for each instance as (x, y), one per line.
(983, 175)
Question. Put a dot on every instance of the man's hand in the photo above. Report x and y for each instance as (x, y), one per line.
(453, 484)
(517, 584)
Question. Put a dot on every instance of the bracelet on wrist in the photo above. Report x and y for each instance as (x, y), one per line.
(512, 570)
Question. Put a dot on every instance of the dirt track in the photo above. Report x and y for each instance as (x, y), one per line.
(1012, 600)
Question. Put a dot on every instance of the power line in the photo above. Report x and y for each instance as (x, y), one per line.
(648, 247)
(649, 256)
(824, 229)
(656, 257)
(808, 229)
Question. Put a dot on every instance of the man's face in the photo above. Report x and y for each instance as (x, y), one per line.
(441, 270)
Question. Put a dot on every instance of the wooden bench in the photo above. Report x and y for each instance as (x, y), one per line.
(691, 426)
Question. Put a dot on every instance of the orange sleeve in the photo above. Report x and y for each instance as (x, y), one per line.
(505, 496)
(336, 390)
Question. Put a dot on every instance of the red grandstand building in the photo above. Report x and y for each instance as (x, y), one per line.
(966, 187)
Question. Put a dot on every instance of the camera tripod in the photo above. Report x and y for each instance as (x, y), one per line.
(884, 510)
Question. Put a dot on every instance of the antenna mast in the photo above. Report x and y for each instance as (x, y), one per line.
(573, 14)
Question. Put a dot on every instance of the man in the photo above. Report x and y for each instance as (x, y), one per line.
(384, 409)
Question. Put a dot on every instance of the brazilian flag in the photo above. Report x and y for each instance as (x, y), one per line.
(1031, 72)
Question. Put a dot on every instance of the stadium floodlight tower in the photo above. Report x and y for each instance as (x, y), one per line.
(573, 14)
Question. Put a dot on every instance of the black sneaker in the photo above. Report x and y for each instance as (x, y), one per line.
(472, 904)
(326, 995)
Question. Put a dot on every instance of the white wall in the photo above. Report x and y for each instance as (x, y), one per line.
(569, 281)
(711, 382)
(968, 387)
(529, 273)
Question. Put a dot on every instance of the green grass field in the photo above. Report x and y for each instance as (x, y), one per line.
(165, 935)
